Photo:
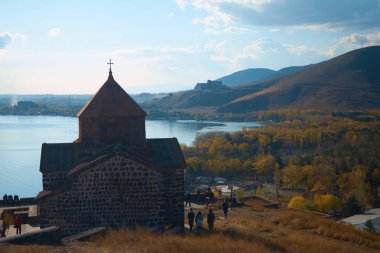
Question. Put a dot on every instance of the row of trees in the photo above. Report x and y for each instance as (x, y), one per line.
(334, 154)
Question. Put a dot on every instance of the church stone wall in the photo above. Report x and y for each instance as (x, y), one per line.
(112, 130)
(116, 193)
(175, 188)
(54, 180)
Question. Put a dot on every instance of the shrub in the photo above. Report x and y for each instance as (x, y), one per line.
(298, 202)
(325, 203)
(302, 203)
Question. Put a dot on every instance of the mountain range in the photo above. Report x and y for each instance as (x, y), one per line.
(257, 75)
(347, 82)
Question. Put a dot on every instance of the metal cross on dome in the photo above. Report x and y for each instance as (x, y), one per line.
(110, 63)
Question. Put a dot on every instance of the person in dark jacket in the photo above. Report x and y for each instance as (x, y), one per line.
(10, 199)
(199, 220)
(188, 196)
(225, 208)
(190, 217)
(210, 220)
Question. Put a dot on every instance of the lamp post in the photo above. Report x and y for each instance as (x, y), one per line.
(231, 187)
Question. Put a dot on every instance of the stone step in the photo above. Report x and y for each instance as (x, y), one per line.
(85, 234)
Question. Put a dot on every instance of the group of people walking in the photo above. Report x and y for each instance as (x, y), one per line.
(198, 219)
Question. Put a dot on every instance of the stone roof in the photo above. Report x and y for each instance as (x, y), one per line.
(59, 156)
(111, 101)
(43, 194)
(163, 153)
(167, 153)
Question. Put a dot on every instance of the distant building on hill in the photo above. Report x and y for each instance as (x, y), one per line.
(210, 85)
(112, 175)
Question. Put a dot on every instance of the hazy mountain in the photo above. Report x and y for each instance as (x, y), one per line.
(257, 75)
(347, 82)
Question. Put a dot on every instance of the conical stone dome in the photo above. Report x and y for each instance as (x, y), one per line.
(111, 116)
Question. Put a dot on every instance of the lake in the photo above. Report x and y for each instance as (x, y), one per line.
(21, 138)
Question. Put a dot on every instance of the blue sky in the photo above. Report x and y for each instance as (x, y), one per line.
(62, 47)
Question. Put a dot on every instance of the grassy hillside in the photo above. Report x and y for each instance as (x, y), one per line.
(347, 82)
(192, 98)
(247, 230)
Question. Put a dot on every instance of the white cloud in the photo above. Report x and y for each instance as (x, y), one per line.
(151, 50)
(54, 32)
(262, 53)
(256, 50)
(235, 30)
(181, 3)
(211, 23)
(198, 48)
(302, 50)
(330, 16)
(360, 39)
(343, 45)
(354, 41)
(321, 27)
(6, 39)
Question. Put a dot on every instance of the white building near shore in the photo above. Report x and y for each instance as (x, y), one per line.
(359, 220)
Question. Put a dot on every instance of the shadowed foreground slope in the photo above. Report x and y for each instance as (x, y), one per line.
(246, 231)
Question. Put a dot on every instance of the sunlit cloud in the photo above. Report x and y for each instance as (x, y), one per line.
(302, 50)
(319, 27)
(181, 3)
(328, 16)
(361, 39)
(54, 32)
(198, 48)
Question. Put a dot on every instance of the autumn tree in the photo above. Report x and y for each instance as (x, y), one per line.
(353, 184)
(294, 176)
(265, 165)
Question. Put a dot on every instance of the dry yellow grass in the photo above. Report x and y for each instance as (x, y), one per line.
(298, 220)
(245, 231)
(255, 205)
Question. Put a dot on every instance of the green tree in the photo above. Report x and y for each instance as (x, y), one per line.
(351, 207)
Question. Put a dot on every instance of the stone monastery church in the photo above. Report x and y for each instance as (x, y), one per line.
(112, 175)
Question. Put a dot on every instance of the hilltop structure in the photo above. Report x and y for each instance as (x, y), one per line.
(112, 175)
(210, 85)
